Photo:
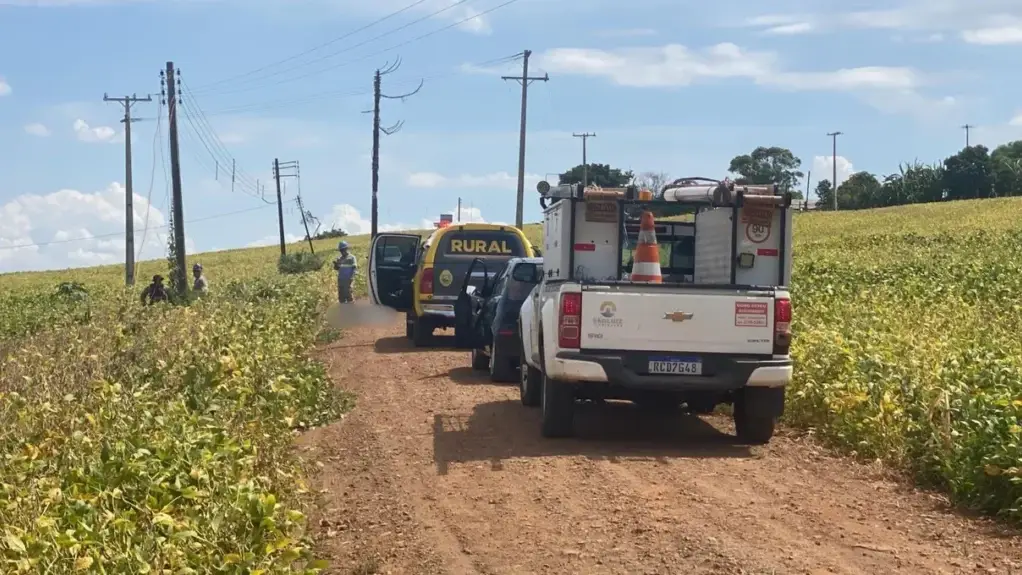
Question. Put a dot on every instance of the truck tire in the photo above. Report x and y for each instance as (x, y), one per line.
(755, 424)
(558, 403)
(530, 385)
(422, 333)
(500, 367)
(480, 361)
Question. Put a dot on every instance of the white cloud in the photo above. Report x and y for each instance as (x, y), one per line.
(496, 180)
(274, 240)
(69, 228)
(976, 21)
(91, 134)
(885, 87)
(823, 169)
(994, 36)
(349, 219)
(791, 29)
(5, 88)
(1016, 120)
(627, 33)
(37, 130)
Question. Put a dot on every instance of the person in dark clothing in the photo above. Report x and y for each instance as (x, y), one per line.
(155, 291)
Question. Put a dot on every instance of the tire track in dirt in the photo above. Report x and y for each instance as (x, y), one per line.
(439, 471)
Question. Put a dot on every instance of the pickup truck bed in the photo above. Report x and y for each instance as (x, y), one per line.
(660, 346)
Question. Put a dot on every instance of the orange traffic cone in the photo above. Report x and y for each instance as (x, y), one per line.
(646, 264)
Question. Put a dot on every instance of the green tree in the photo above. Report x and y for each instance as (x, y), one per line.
(1007, 166)
(861, 190)
(969, 174)
(768, 165)
(824, 195)
(600, 174)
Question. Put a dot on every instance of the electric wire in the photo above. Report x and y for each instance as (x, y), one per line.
(374, 54)
(362, 43)
(314, 48)
(152, 184)
(116, 234)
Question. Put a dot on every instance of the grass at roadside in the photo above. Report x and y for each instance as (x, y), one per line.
(159, 439)
(145, 439)
(907, 342)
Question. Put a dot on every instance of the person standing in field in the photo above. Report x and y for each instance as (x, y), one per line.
(155, 291)
(200, 285)
(346, 266)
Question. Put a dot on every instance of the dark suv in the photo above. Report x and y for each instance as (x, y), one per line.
(486, 317)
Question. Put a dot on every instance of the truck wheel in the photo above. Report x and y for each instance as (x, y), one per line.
(530, 385)
(479, 360)
(501, 370)
(422, 333)
(558, 403)
(754, 422)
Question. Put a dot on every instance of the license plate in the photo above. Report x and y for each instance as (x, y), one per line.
(676, 366)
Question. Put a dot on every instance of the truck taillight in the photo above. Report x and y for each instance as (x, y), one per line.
(782, 326)
(569, 325)
(426, 285)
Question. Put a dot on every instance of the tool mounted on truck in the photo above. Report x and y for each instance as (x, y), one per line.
(706, 324)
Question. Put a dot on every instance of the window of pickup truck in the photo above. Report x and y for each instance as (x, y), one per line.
(470, 244)
(676, 238)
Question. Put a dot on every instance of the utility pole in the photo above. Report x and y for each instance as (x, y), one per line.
(834, 136)
(585, 163)
(305, 222)
(967, 128)
(377, 96)
(525, 80)
(277, 175)
(129, 209)
(180, 278)
(459, 210)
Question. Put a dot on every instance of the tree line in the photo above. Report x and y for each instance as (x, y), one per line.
(972, 173)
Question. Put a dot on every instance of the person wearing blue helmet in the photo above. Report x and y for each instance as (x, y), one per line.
(346, 266)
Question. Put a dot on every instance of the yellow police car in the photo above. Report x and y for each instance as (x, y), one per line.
(423, 279)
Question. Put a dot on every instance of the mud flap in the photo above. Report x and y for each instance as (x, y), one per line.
(763, 401)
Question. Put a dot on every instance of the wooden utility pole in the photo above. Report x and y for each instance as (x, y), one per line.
(525, 81)
(129, 208)
(180, 278)
(833, 182)
(377, 96)
(280, 206)
(585, 162)
(305, 222)
(967, 128)
(277, 175)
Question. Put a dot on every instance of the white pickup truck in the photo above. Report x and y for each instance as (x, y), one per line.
(715, 330)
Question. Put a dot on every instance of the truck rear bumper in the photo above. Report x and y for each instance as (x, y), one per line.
(577, 367)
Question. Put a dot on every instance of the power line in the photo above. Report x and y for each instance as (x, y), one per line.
(377, 53)
(215, 146)
(315, 48)
(152, 181)
(362, 43)
(116, 234)
(336, 94)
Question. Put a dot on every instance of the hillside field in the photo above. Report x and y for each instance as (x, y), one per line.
(161, 438)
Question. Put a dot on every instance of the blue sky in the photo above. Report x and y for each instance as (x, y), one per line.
(672, 86)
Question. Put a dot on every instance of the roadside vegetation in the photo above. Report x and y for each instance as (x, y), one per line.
(137, 440)
(159, 439)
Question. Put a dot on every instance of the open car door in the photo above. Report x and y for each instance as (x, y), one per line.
(392, 262)
(468, 305)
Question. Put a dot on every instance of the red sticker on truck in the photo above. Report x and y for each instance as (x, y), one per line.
(751, 314)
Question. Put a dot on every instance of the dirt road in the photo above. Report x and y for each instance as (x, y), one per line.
(440, 471)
